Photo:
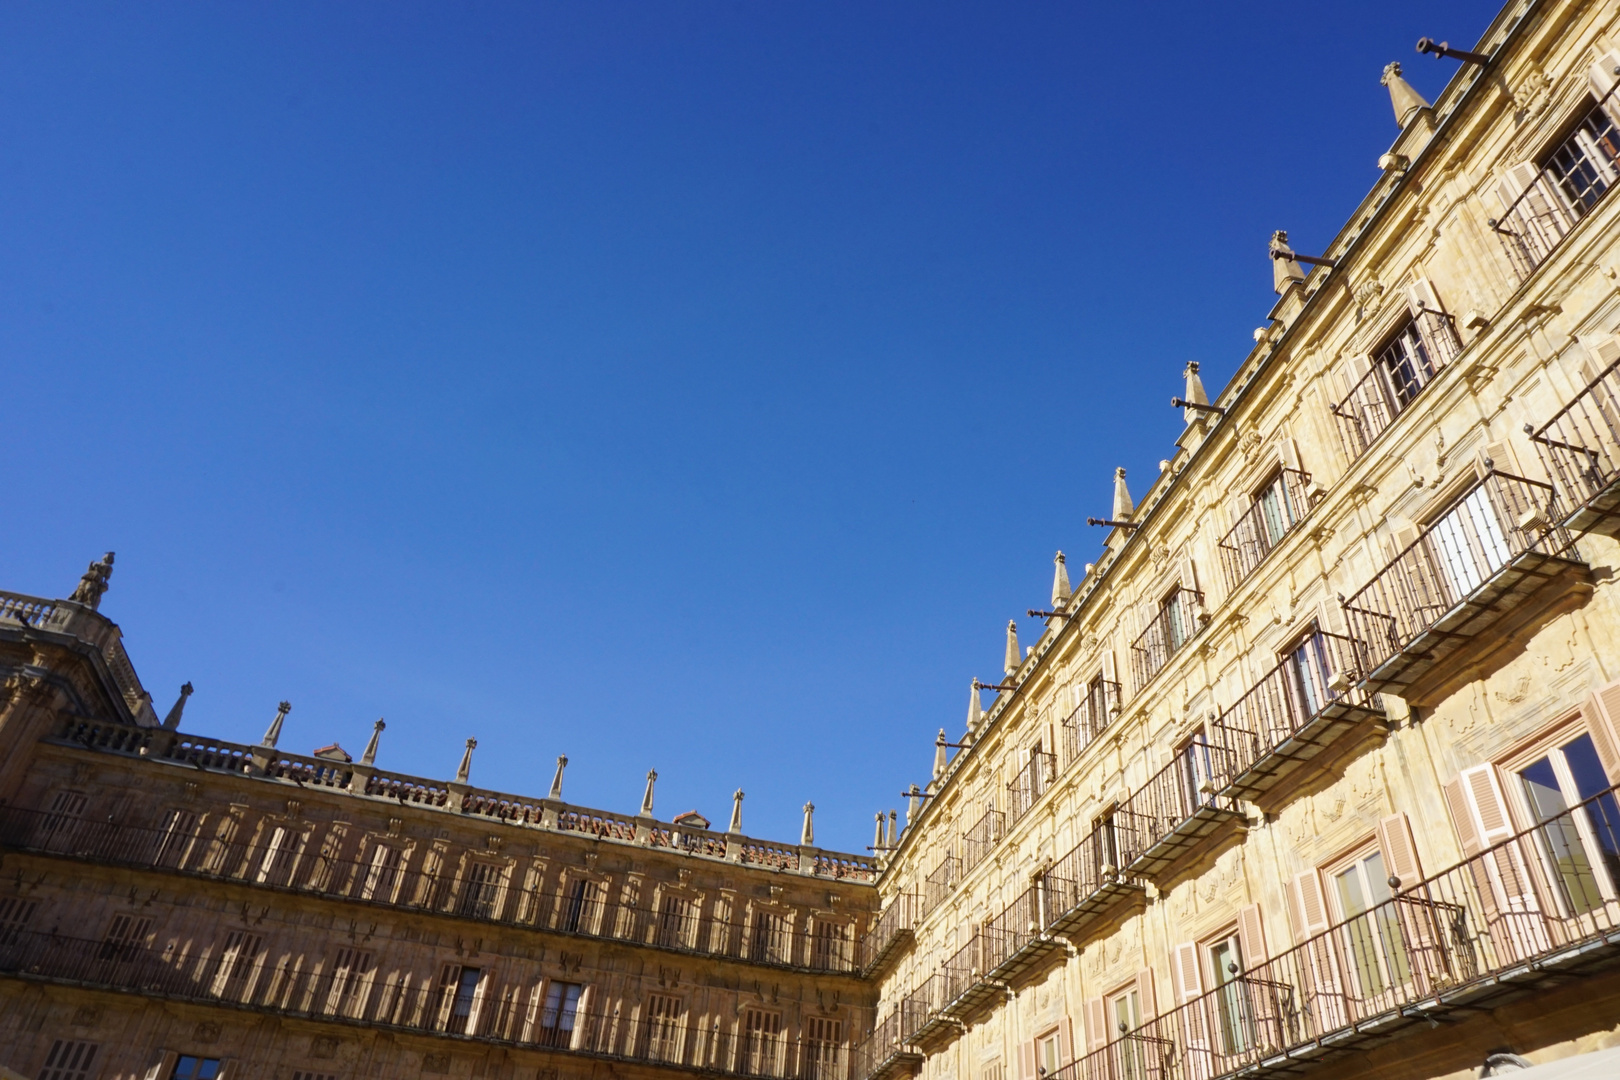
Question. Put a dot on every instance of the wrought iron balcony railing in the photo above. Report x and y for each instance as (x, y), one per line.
(491, 1006)
(883, 1053)
(1295, 713)
(1394, 379)
(1180, 807)
(1467, 571)
(1526, 913)
(382, 876)
(1173, 625)
(1272, 516)
(1580, 449)
(1032, 781)
(1089, 879)
(1088, 719)
(939, 883)
(981, 839)
(891, 931)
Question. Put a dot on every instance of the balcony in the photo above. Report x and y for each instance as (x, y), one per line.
(1487, 567)
(1273, 515)
(884, 1053)
(182, 848)
(1569, 186)
(1015, 942)
(1182, 808)
(1026, 789)
(1504, 925)
(1172, 627)
(982, 838)
(1296, 715)
(890, 935)
(1082, 726)
(939, 884)
(1580, 449)
(966, 987)
(1087, 883)
(1406, 365)
(499, 1007)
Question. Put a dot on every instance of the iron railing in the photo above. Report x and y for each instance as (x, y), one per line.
(1318, 676)
(1496, 522)
(894, 925)
(981, 839)
(1580, 446)
(1089, 868)
(1539, 218)
(1088, 719)
(283, 860)
(1017, 924)
(939, 883)
(495, 1005)
(1534, 904)
(1272, 516)
(885, 1042)
(1393, 382)
(1173, 625)
(1186, 792)
(1026, 788)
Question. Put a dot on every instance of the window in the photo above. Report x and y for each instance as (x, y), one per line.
(769, 939)
(1097, 702)
(823, 1048)
(559, 1014)
(830, 946)
(1370, 931)
(1198, 781)
(276, 866)
(674, 916)
(14, 915)
(69, 1060)
(382, 875)
(1275, 510)
(1406, 364)
(351, 979)
(57, 824)
(195, 1068)
(458, 997)
(1580, 850)
(313, 1076)
(1226, 965)
(481, 891)
(1173, 610)
(1124, 1012)
(579, 910)
(124, 938)
(663, 1027)
(1467, 544)
(1587, 163)
(762, 1043)
(1308, 675)
(1047, 1054)
(174, 838)
(993, 1071)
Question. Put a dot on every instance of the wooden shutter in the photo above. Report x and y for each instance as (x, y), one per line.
(1515, 180)
(1313, 909)
(1600, 355)
(1490, 810)
(1026, 1060)
(1462, 818)
(1184, 963)
(1503, 877)
(1500, 455)
(1144, 993)
(1399, 849)
(1096, 1024)
(1420, 296)
(1066, 1052)
(1110, 674)
(1251, 937)
(1355, 369)
(1602, 715)
(1290, 454)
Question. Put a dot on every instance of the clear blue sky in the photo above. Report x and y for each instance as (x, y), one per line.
(686, 385)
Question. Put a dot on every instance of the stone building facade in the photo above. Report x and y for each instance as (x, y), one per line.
(174, 906)
(1310, 772)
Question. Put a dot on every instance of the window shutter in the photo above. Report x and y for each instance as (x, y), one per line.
(1096, 1024)
(1026, 1060)
(1401, 538)
(1515, 180)
(1602, 715)
(1500, 455)
(1420, 296)
(1108, 670)
(1490, 810)
(1601, 353)
(1144, 993)
(1290, 454)
(1313, 907)
(1184, 963)
(1355, 369)
(1601, 78)
(1251, 937)
(1066, 1041)
(1399, 850)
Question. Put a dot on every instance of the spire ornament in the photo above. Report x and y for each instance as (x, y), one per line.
(1060, 581)
(941, 759)
(1014, 658)
(877, 836)
(172, 721)
(1123, 506)
(1406, 101)
(465, 769)
(369, 755)
(647, 798)
(975, 715)
(556, 780)
(273, 733)
(736, 811)
(808, 836)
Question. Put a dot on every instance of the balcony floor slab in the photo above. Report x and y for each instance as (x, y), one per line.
(1297, 750)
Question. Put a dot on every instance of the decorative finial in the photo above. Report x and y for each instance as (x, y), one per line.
(369, 756)
(1405, 100)
(1285, 269)
(273, 733)
(913, 796)
(894, 828)
(877, 836)
(941, 760)
(172, 721)
(1014, 657)
(647, 797)
(808, 836)
(736, 811)
(1195, 394)
(94, 583)
(556, 781)
(1060, 581)
(465, 770)
(1123, 506)
(975, 707)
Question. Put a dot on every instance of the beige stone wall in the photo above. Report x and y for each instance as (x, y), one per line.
(1523, 351)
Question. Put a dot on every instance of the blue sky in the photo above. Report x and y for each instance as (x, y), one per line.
(693, 386)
